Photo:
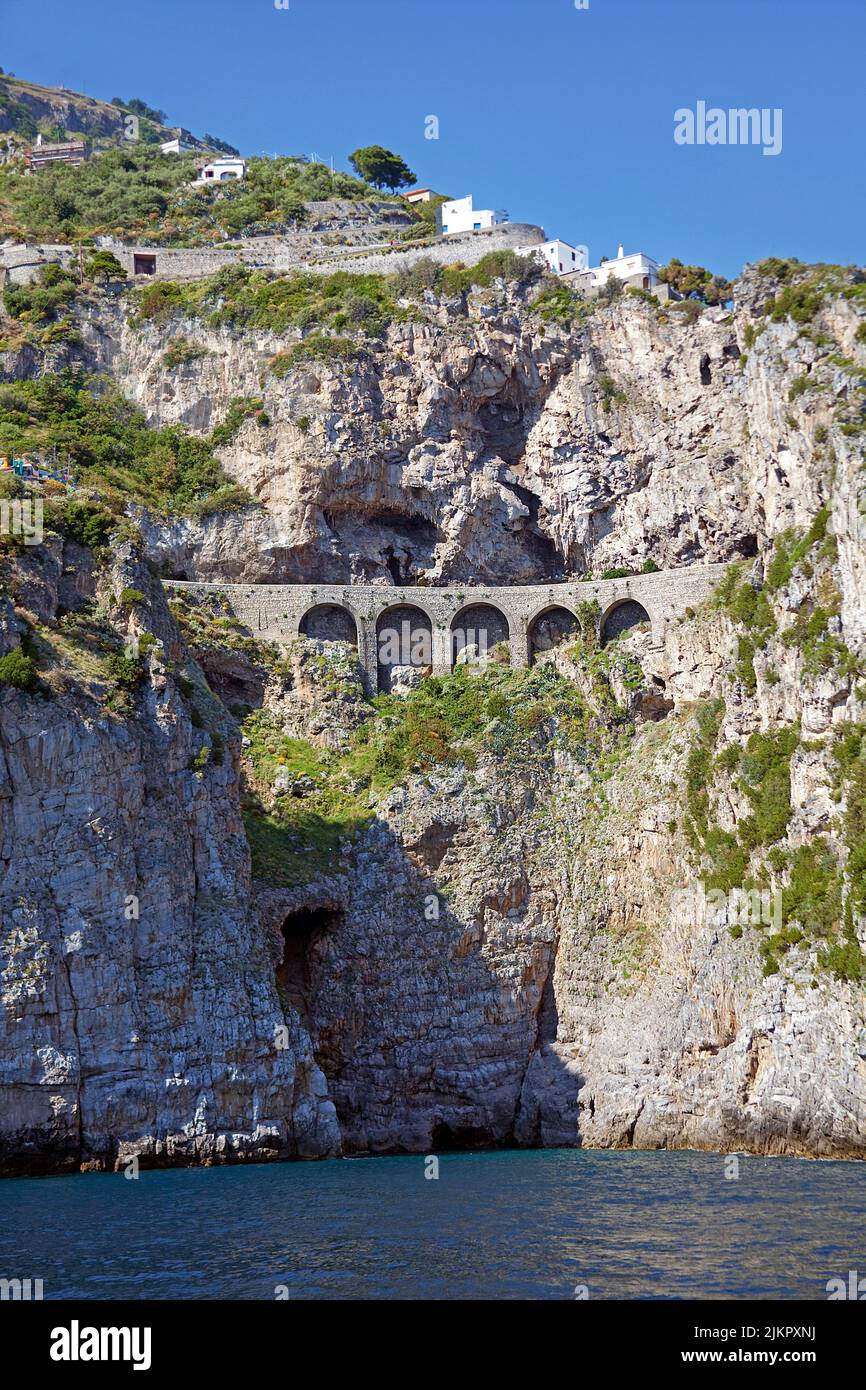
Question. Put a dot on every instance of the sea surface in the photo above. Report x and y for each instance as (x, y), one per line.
(518, 1224)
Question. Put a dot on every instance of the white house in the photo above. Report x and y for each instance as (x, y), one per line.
(637, 270)
(460, 216)
(180, 144)
(222, 170)
(559, 256)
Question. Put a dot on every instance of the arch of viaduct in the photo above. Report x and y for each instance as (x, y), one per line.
(276, 612)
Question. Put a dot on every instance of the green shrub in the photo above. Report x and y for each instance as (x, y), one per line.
(798, 302)
(317, 347)
(610, 393)
(765, 777)
(181, 353)
(46, 298)
(844, 960)
(496, 265)
(799, 386)
(557, 303)
(689, 310)
(19, 671)
(87, 523)
(125, 671)
(247, 298)
(131, 598)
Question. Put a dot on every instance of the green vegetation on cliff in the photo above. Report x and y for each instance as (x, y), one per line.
(343, 302)
(109, 448)
(138, 192)
(519, 717)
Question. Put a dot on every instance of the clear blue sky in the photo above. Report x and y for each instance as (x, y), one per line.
(565, 117)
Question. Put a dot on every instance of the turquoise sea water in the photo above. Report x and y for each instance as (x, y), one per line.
(522, 1224)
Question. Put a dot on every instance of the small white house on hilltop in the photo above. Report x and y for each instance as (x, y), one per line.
(637, 270)
(460, 216)
(559, 256)
(221, 170)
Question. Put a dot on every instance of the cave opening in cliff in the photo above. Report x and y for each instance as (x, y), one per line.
(543, 562)
(301, 932)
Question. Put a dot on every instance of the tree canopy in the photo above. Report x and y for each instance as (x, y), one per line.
(381, 167)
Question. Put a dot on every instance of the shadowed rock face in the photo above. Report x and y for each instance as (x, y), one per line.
(140, 1014)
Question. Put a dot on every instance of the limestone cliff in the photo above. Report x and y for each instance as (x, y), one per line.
(480, 443)
(464, 909)
(140, 1014)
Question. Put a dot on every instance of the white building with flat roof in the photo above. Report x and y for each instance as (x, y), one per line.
(221, 170)
(459, 216)
(181, 142)
(638, 270)
(559, 256)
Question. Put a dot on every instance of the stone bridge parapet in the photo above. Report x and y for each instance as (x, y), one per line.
(278, 612)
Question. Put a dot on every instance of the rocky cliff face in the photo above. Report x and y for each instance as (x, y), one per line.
(140, 1014)
(494, 940)
(485, 445)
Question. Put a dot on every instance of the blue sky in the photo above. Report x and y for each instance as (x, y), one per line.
(563, 116)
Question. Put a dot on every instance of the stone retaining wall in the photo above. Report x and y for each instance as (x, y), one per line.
(19, 264)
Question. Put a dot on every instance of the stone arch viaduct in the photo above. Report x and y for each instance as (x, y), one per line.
(283, 612)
